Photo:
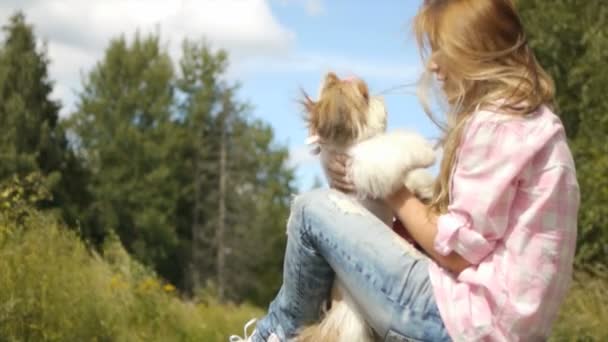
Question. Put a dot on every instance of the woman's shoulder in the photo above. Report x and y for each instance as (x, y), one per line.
(538, 125)
(493, 132)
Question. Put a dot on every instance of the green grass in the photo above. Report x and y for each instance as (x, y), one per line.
(54, 288)
(584, 316)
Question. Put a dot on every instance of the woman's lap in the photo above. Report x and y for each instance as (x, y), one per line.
(388, 278)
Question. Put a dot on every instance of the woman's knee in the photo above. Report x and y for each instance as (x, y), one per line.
(311, 198)
(306, 205)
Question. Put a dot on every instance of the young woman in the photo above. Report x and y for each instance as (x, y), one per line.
(501, 229)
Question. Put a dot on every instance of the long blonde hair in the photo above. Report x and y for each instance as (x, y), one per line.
(482, 48)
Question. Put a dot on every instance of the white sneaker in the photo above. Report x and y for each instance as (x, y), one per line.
(246, 338)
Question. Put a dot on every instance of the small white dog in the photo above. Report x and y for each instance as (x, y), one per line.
(346, 119)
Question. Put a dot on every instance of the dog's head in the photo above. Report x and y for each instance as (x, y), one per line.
(344, 112)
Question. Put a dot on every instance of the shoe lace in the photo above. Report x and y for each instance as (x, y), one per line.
(236, 338)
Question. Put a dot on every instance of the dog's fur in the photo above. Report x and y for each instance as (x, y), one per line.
(347, 119)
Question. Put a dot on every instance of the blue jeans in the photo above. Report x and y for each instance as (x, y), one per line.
(329, 234)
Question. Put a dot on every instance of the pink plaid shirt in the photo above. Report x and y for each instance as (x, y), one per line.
(512, 214)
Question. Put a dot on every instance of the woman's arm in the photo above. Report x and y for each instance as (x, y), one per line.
(410, 211)
(422, 226)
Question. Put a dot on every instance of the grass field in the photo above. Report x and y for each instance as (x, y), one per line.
(53, 288)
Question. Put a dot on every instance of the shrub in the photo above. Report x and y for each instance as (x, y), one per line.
(54, 288)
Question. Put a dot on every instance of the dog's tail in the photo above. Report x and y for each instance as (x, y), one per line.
(341, 324)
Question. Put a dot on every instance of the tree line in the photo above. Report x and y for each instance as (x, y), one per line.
(160, 153)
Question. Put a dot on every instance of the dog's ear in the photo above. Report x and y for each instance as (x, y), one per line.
(330, 80)
(363, 89)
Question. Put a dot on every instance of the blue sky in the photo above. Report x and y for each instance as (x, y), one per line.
(275, 47)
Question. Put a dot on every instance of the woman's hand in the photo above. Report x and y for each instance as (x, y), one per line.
(337, 169)
(422, 227)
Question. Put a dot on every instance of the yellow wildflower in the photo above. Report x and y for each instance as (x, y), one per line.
(148, 284)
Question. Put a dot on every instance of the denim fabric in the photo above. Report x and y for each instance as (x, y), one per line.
(331, 234)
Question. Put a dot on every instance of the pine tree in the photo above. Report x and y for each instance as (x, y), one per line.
(240, 184)
(33, 139)
(191, 184)
(124, 129)
(201, 88)
(27, 113)
(262, 186)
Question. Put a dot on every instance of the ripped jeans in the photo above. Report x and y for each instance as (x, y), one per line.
(330, 234)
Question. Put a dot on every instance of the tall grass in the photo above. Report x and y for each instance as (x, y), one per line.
(584, 316)
(53, 288)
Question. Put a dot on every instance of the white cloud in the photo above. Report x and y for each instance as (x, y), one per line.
(312, 7)
(234, 24)
(78, 31)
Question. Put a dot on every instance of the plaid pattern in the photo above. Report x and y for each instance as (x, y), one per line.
(513, 212)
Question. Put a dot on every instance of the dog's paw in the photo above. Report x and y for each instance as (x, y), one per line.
(421, 183)
(412, 149)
